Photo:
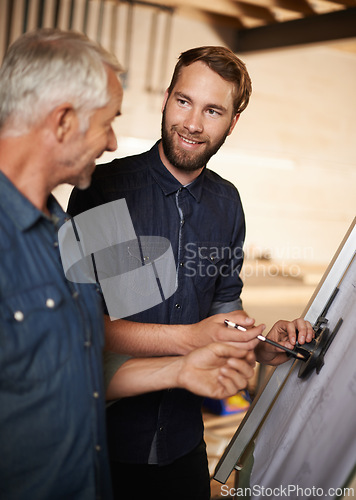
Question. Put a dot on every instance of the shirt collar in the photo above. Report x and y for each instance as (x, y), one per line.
(168, 183)
(20, 210)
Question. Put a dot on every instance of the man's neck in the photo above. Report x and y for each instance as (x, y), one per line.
(183, 177)
(17, 162)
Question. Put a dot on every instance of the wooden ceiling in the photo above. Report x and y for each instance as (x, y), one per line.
(249, 25)
(263, 24)
(253, 13)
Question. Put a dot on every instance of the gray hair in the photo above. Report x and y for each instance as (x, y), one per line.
(47, 67)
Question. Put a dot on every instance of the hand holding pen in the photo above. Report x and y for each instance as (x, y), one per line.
(265, 339)
(214, 329)
(270, 348)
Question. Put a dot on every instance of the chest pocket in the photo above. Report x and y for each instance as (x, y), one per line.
(205, 266)
(34, 339)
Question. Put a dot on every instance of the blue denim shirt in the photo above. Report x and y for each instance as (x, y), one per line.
(52, 420)
(205, 224)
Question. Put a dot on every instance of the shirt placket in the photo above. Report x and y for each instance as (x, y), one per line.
(183, 212)
(95, 388)
(92, 378)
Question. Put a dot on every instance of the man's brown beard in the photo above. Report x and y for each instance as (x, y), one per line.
(184, 161)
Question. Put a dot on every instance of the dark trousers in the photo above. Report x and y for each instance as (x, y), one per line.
(187, 478)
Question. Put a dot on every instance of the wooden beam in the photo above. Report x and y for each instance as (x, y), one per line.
(346, 3)
(212, 19)
(301, 6)
(255, 11)
(227, 8)
(319, 28)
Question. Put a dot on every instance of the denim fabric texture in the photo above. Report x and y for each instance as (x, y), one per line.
(52, 417)
(205, 224)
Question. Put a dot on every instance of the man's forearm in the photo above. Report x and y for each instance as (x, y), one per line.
(145, 339)
(217, 370)
(139, 376)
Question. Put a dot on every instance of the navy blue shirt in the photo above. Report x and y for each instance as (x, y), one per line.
(52, 415)
(204, 222)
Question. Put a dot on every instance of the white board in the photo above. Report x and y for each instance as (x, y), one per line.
(303, 430)
(309, 437)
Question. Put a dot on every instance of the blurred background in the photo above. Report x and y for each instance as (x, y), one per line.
(292, 155)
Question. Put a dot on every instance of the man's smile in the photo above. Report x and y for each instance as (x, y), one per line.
(191, 142)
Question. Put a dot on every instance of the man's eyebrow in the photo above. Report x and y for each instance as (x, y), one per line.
(217, 107)
(182, 96)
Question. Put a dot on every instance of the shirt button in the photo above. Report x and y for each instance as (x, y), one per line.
(96, 395)
(161, 428)
(56, 244)
(50, 303)
(87, 343)
(19, 315)
(177, 306)
(75, 295)
(98, 447)
(182, 222)
(181, 264)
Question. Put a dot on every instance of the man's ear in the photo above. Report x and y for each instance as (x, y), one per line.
(233, 123)
(64, 121)
(166, 95)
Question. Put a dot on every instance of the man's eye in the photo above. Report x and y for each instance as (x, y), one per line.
(213, 112)
(182, 102)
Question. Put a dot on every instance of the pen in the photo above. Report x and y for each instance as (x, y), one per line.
(234, 325)
(265, 339)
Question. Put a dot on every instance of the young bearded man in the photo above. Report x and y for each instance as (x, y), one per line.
(156, 440)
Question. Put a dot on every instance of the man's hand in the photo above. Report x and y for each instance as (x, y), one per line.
(213, 329)
(216, 370)
(285, 333)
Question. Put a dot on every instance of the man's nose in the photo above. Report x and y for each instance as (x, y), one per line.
(194, 122)
(112, 141)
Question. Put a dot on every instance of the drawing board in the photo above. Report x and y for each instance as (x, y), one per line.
(301, 431)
